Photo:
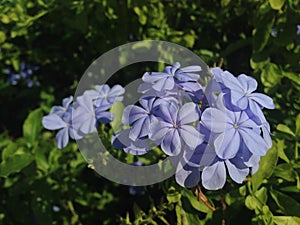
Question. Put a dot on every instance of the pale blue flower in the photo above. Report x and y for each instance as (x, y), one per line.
(171, 129)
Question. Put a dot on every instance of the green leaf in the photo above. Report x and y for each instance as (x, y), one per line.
(261, 194)
(253, 203)
(2, 37)
(198, 205)
(285, 129)
(15, 163)
(261, 33)
(33, 125)
(285, 171)
(188, 214)
(266, 167)
(141, 15)
(225, 3)
(117, 109)
(292, 76)
(9, 150)
(270, 75)
(286, 220)
(298, 126)
(281, 152)
(178, 210)
(173, 195)
(276, 4)
(288, 205)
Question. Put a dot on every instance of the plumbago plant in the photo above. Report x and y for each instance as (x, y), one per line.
(216, 130)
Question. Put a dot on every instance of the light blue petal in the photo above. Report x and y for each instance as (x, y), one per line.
(102, 90)
(171, 144)
(132, 113)
(67, 101)
(121, 139)
(214, 119)
(58, 110)
(255, 112)
(227, 144)
(116, 90)
(191, 69)
(169, 112)
(62, 138)
(187, 176)
(188, 113)
(147, 103)
(263, 100)
(104, 117)
(191, 136)
(242, 101)
(185, 77)
(237, 174)
(144, 87)
(266, 134)
(190, 86)
(249, 84)
(93, 94)
(85, 102)
(255, 143)
(138, 147)
(53, 122)
(153, 77)
(164, 84)
(232, 82)
(203, 155)
(214, 177)
(216, 73)
(158, 130)
(137, 128)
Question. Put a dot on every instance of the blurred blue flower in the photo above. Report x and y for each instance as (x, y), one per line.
(23, 75)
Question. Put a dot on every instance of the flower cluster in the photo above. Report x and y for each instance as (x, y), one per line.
(214, 128)
(210, 128)
(75, 119)
(24, 75)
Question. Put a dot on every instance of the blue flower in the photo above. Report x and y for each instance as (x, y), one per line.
(213, 177)
(60, 118)
(165, 80)
(86, 114)
(139, 146)
(205, 159)
(241, 89)
(103, 94)
(139, 118)
(239, 94)
(230, 130)
(24, 74)
(170, 129)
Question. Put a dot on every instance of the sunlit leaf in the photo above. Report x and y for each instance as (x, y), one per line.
(33, 125)
(266, 167)
(276, 4)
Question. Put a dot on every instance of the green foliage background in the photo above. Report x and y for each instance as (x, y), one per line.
(64, 37)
